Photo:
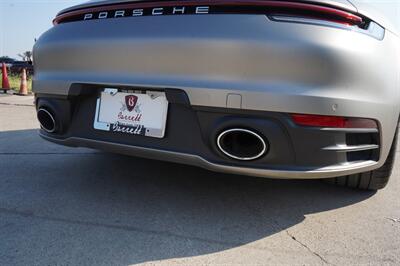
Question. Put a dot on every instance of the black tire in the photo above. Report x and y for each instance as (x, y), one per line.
(372, 180)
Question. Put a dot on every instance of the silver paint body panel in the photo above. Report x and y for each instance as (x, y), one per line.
(273, 66)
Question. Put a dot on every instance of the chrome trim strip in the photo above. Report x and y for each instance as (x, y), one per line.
(310, 21)
(346, 148)
(350, 130)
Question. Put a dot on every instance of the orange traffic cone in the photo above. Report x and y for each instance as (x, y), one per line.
(5, 86)
(23, 88)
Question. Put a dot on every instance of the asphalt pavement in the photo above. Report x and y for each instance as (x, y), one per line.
(75, 206)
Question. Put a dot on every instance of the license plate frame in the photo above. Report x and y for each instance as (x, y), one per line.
(129, 116)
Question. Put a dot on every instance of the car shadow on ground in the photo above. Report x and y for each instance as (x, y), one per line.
(122, 210)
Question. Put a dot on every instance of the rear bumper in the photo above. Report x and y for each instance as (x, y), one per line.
(192, 131)
(268, 67)
(190, 159)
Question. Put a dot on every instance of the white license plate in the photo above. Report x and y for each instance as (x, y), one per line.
(132, 113)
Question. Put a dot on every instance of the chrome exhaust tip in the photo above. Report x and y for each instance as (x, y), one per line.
(241, 144)
(46, 120)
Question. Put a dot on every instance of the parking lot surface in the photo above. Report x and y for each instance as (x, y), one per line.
(75, 206)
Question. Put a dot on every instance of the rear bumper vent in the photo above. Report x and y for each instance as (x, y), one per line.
(365, 146)
(356, 138)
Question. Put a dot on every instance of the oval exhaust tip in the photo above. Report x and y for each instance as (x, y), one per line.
(46, 120)
(241, 144)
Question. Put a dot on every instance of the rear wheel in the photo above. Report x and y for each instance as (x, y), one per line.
(372, 180)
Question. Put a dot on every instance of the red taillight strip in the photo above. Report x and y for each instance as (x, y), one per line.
(346, 16)
(332, 121)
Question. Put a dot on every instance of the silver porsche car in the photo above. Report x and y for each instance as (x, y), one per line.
(304, 89)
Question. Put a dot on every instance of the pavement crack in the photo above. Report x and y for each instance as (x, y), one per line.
(49, 153)
(308, 248)
(395, 220)
(32, 215)
(17, 104)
